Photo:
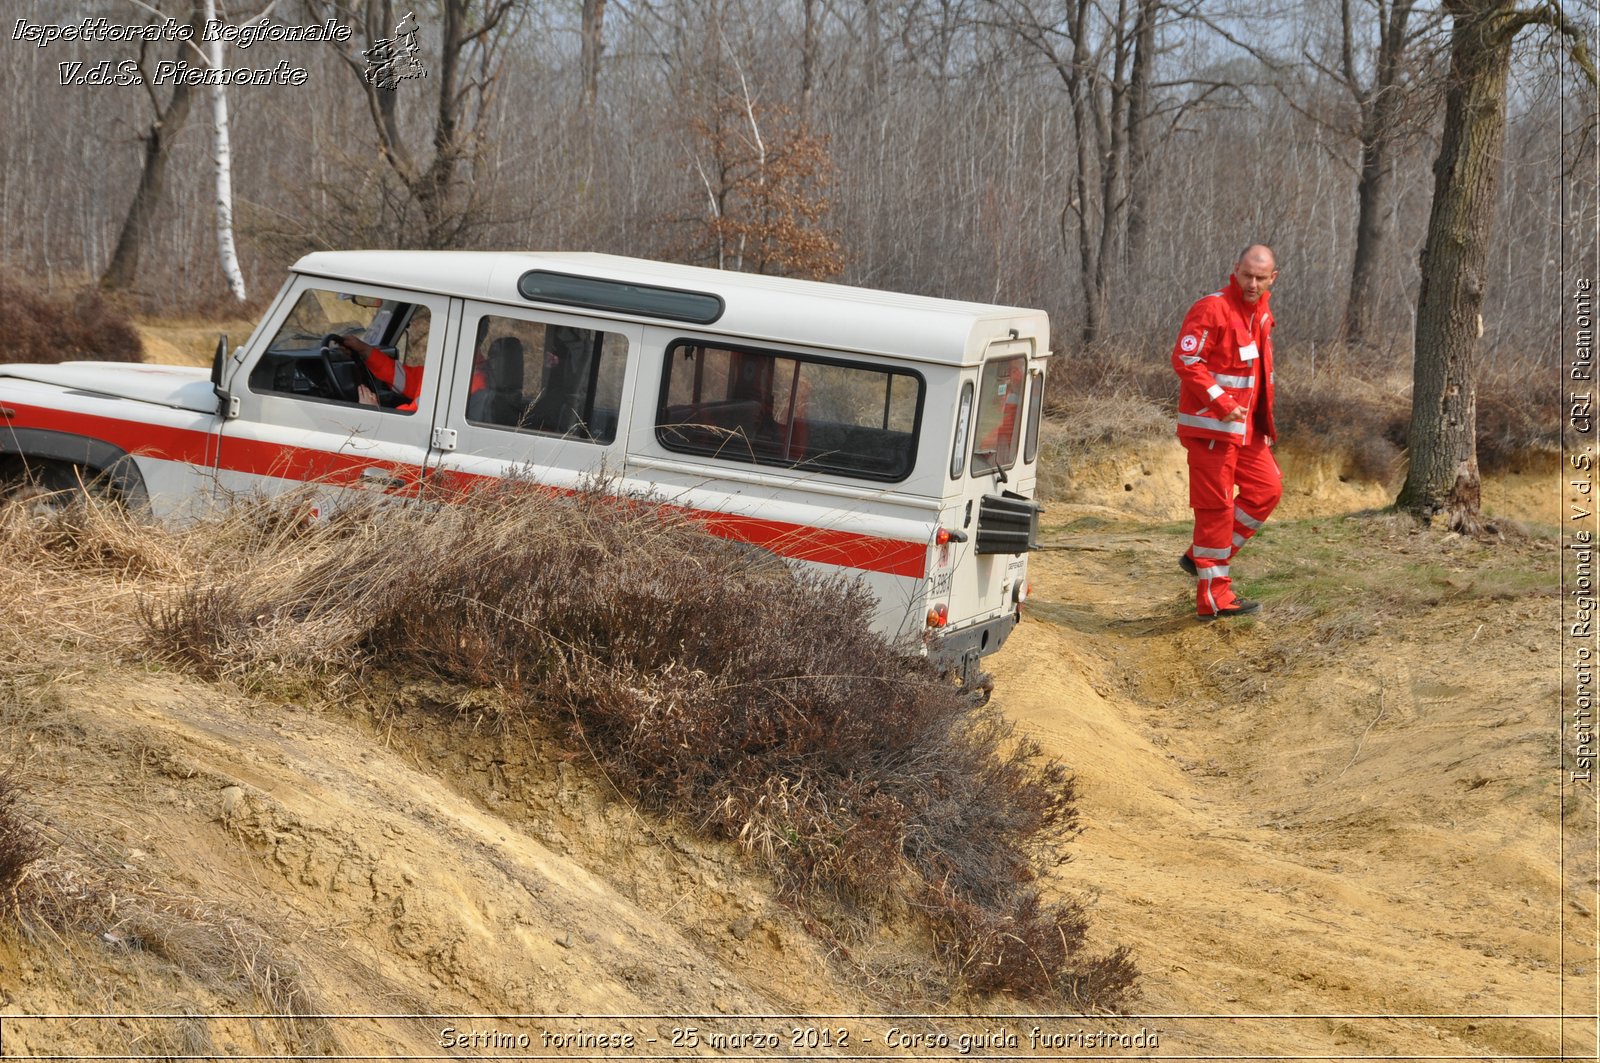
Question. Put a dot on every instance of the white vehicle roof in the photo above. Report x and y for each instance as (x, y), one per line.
(776, 309)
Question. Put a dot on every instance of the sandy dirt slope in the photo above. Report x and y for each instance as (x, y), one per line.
(375, 876)
(1321, 838)
(1329, 833)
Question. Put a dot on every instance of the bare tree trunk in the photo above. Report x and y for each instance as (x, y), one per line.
(123, 269)
(593, 33)
(875, 66)
(1380, 120)
(1443, 474)
(808, 57)
(1080, 90)
(1372, 229)
(1144, 55)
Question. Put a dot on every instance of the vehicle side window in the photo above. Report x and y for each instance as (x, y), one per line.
(534, 376)
(767, 408)
(999, 422)
(351, 349)
(1030, 451)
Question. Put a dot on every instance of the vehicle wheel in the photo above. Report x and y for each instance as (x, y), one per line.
(46, 486)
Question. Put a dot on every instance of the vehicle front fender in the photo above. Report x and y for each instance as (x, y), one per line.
(106, 461)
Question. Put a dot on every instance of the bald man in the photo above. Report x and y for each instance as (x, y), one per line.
(1223, 358)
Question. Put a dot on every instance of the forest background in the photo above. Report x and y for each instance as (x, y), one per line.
(1105, 161)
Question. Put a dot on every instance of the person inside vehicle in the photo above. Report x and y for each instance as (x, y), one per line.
(389, 368)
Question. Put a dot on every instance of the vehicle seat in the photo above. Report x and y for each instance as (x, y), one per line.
(499, 401)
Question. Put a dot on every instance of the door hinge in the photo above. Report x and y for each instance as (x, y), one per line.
(444, 439)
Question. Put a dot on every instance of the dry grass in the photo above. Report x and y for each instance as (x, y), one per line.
(20, 845)
(73, 895)
(74, 578)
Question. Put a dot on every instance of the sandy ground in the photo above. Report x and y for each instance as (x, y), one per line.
(1319, 842)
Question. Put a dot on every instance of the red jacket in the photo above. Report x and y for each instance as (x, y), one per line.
(406, 379)
(1224, 360)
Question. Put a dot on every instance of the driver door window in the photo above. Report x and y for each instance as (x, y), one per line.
(351, 349)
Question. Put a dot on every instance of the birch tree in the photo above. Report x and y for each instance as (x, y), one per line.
(222, 158)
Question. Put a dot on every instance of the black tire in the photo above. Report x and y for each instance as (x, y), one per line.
(47, 485)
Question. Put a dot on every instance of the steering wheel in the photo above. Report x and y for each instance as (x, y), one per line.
(332, 346)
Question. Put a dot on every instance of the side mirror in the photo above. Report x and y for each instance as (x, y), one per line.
(218, 360)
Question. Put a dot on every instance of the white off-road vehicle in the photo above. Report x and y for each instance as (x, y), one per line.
(891, 436)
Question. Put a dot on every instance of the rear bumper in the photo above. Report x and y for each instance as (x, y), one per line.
(961, 650)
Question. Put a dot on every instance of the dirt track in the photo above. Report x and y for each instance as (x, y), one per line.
(1372, 833)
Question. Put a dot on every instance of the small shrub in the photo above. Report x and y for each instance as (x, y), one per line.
(37, 327)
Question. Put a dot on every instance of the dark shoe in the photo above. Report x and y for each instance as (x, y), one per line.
(1186, 563)
(1242, 607)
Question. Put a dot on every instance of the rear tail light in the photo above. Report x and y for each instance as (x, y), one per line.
(939, 615)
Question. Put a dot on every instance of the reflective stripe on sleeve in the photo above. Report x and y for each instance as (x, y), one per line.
(1228, 381)
(1213, 392)
(1233, 428)
(1189, 359)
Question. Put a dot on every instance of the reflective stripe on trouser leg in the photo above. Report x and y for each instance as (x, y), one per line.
(1211, 549)
(1260, 485)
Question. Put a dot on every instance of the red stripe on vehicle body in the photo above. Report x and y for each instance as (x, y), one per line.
(801, 542)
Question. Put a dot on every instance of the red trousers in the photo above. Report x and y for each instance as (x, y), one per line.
(1222, 521)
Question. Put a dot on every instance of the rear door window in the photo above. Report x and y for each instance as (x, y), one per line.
(795, 411)
(535, 376)
(1000, 419)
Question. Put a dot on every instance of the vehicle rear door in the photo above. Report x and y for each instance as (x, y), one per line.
(993, 478)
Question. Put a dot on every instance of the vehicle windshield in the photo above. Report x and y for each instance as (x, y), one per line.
(320, 312)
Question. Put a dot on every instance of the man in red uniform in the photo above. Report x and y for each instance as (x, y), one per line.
(1224, 363)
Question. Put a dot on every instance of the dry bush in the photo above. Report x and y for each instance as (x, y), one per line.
(1521, 411)
(1363, 424)
(36, 327)
(707, 682)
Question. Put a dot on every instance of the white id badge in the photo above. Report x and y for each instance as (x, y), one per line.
(1248, 352)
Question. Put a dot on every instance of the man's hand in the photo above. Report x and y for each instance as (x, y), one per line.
(1237, 414)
